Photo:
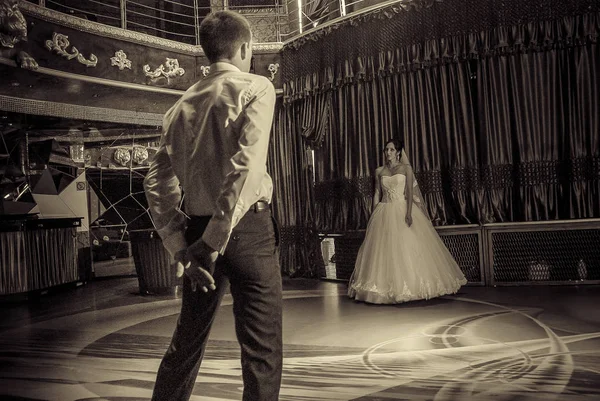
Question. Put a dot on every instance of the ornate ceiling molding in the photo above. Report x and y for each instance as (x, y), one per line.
(83, 25)
(96, 80)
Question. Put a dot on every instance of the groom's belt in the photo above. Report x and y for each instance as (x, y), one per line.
(260, 206)
(257, 207)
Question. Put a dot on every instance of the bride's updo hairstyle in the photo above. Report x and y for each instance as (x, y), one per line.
(398, 144)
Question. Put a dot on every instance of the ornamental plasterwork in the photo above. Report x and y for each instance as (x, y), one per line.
(168, 70)
(60, 42)
(139, 155)
(13, 27)
(264, 27)
(273, 68)
(122, 156)
(205, 70)
(271, 11)
(120, 60)
(267, 47)
(97, 28)
(125, 156)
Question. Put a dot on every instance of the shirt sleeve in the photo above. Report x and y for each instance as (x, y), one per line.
(242, 187)
(164, 196)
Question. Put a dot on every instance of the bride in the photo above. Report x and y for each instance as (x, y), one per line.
(402, 258)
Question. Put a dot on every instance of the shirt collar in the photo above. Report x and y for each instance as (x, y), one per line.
(223, 66)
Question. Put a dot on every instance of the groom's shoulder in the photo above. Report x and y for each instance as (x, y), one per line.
(256, 80)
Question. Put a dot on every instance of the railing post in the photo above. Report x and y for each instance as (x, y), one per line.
(342, 8)
(196, 22)
(300, 16)
(124, 14)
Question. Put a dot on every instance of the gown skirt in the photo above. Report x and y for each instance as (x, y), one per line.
(397, 263)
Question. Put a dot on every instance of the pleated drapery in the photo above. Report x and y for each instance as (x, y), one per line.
(501, 124)
(37, 259)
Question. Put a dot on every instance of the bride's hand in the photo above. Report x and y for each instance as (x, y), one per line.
(408, 220)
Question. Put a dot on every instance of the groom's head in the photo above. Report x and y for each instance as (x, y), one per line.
(226, 36)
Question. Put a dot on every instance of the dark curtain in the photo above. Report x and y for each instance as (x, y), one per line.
(497, 159)
(437, 124)
(344, 161)
(431, 110)
(539, 119)
(500, 125)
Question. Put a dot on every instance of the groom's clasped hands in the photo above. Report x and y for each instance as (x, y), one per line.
(197, 262)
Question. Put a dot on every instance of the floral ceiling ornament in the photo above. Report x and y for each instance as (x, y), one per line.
(120, 60)
(60, 42)
(168, 70)
(205, 70)
(273, 68)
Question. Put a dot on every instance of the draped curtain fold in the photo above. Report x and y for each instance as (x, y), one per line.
(289, 166)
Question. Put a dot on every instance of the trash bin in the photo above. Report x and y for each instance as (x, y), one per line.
(346, 251)
(153, 264)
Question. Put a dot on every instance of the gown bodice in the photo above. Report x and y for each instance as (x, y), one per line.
(393, 188)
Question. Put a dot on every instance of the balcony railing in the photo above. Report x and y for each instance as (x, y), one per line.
(179, 20)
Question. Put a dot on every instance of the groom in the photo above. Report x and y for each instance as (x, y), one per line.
(214, 145)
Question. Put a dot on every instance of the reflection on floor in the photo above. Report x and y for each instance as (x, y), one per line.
(104, 342)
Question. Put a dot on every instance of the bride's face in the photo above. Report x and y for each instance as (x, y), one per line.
(390, 152)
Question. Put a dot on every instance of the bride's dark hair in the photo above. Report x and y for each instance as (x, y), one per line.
(398, 144)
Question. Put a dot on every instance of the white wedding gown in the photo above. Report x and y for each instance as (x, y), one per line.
(397, 263)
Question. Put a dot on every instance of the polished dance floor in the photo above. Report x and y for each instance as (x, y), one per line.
(103, 341)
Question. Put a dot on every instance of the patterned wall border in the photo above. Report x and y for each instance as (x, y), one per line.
(74, 111)
(80, 24)
(267, 47)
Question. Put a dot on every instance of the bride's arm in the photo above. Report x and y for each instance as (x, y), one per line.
(409, 194)
(377, 191)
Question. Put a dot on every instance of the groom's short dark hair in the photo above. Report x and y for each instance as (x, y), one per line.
(222, 33)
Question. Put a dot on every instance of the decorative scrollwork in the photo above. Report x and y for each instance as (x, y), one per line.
(168, 70)
(120, 60)
(60, 42)
(205, 70)
(273, 68)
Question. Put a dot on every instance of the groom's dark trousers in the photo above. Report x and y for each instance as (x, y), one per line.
(250, 264)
